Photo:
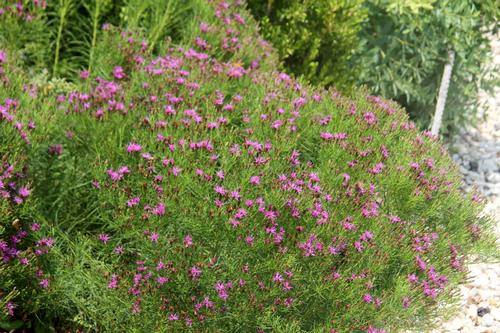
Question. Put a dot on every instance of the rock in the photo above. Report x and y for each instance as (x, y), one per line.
(489, 165)
(493, 177)
(495, 313)
(454, 325)
(472, 311)
(468, 327)
(483, 292)
(481, 311)
(487, 320)
(473, 165)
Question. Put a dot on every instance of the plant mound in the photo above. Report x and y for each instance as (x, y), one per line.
(185, 192)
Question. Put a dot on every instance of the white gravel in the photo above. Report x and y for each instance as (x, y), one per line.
(478, 154)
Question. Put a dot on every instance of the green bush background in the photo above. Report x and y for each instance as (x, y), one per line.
(397, 48)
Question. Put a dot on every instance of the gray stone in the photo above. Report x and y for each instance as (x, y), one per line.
(493, 177)
(473, 165)
(488, 165)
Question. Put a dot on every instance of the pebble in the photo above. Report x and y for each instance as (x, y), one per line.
(476, 150)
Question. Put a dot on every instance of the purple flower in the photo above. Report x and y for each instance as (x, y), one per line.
(119, 249)
(406, 302)
(118, 72)
(159, 210)
(56, 150)
(370, 118)
(133, 202)
(24, 192)
(161, 280)
(359, 247)
(154, 237)
(104, 238)
(195, 272)
(255, 180)
(84, 75)
(113, 284)
(366, 236)
(3, 56)
(412, 278)
(188, 241)
(367, 298)
(134, 147)
(44, 283)
(10, 308)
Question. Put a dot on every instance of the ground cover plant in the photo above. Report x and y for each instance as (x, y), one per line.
(191, 187)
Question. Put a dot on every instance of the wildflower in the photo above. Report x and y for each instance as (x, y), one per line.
(136, 307)
(3, 56)
(118, 72)
(115, 176)
(118, 250)
(133, 202)
(9, 306)
(161, 280)
(370, 118)
(370, 209)
(84, 75)
(44, 283)
(188, 241)
(367, 298)
(420, 263)
(104, 238)
(277, 277)
(367, 236)
(204, 27)
(176, 171)
(133, 147)
(326, 136)
(406, 302)
(195, 272)
(235, 195)
(377, 168)
(56, 150)
(255, 180)
(154, 237)
(412, 278)
(236, 71)
(159, 210)
(113, 284)
(249, 240)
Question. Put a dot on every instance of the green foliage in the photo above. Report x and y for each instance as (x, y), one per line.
(403, 53)
(26, 34)
(397, 48)
(157, 18)
(315, 39)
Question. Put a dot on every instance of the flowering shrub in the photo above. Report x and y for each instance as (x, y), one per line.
(186, 192)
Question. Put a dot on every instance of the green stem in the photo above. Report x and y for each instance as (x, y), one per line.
(159, 28)
(95, 23)
(63, 10)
